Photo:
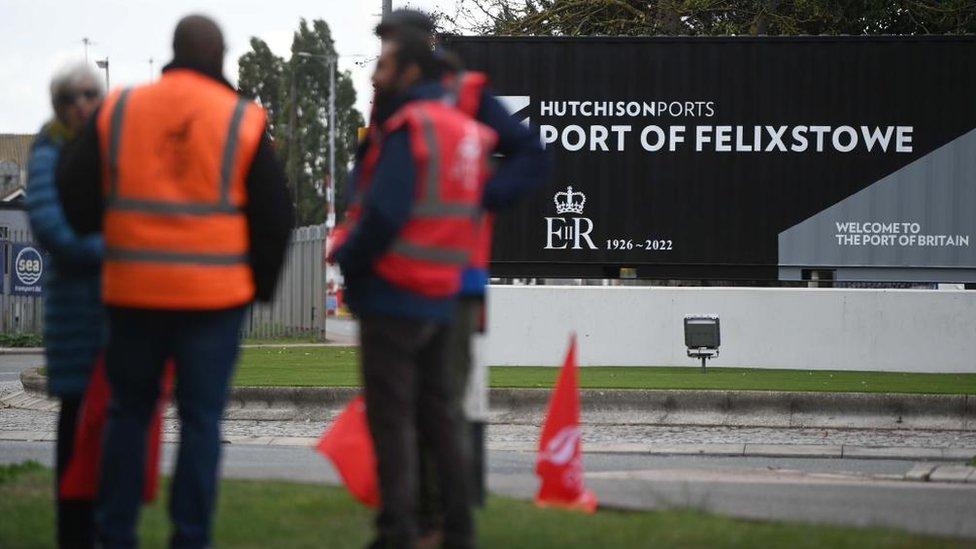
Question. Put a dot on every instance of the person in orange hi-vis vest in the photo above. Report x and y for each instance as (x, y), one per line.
(180, 177)
(419, 191)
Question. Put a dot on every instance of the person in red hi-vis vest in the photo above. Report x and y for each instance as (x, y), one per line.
(560, 461)
(419, 194)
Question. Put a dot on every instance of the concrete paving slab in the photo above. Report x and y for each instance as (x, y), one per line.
(794, 450)
(920, 472)
(294, 441)
(951, 473)
(255, 441)
(18, 399)
(961, 454)
(21, 350)
(24, 436)
(719, 449)
(618, 448)
(900, 452)
(512, 446)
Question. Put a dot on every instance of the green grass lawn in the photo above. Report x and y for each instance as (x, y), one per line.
(337, 366)
(282, 340)
(264, 514)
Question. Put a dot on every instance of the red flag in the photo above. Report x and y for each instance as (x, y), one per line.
(347, 443)
(80, 477)
(560, 461)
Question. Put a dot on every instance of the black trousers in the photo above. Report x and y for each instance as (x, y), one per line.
(408, 388)
(75, 518)
(459, 362)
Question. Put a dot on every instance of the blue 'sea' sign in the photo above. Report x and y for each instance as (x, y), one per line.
(27, 269)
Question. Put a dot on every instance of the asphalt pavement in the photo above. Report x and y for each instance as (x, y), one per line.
(856, 492)
(11, 365)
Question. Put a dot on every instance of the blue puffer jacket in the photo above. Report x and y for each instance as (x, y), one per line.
(74, 320)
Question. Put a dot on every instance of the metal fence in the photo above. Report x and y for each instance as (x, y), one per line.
(298, 308)
(19, 314)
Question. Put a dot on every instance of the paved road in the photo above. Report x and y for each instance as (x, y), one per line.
(12, 365)
(341, 330)
(836, 491)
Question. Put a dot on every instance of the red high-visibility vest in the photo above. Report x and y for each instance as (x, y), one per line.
(465, 90)
(450, 152)
(176, 155)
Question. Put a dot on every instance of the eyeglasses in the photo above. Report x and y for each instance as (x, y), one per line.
(69, 98)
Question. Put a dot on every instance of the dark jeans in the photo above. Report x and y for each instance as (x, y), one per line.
(408, 395)
(204, 346)
(75, 520)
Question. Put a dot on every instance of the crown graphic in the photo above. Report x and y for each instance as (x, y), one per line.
(573, 202)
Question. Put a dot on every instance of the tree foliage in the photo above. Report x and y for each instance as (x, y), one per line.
(713, 17)
(295, 92)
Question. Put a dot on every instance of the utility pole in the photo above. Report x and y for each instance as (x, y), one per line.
(330, 61)
(330, 218)
(292, 122)
(87, 42)
(387, 7)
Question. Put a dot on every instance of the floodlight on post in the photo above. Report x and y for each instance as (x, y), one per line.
(702, 337)
(103, 64)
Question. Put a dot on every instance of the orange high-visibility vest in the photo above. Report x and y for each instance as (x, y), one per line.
(175, 158)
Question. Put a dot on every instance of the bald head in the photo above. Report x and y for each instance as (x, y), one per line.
(199, 42)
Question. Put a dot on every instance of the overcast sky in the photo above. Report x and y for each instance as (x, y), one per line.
(36, 36)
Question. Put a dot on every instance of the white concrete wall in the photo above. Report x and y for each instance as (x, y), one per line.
(822, 329)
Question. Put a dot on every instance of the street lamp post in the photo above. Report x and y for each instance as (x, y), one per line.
(330, 63)
(87, 42)
(330, 194)
(103, 64)
(292, 135)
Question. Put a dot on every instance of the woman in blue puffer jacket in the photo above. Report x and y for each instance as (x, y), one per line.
(74, 324)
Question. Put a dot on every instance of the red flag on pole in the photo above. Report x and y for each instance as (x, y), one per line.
(80, 477)
(347, 443)
(560, 461)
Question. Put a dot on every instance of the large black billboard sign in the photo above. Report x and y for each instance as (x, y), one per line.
(742, 157)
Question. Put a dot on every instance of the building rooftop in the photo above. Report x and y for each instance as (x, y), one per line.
(14, 152)
(15, 147)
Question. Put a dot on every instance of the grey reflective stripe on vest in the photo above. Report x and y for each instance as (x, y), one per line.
(429, 253)
(230, 150)
(114, 135)
(164, 207)
(432, 184)
(153, 256)
(445, 209)
(430, 203)
(223, 204)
